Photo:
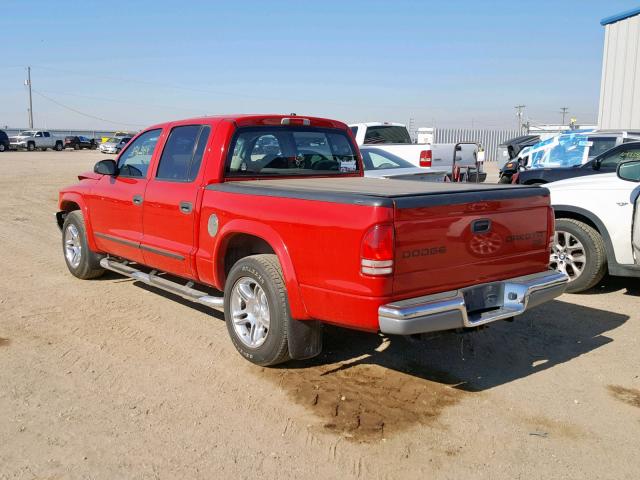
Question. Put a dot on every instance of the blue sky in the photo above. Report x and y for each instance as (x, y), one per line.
(449, 63)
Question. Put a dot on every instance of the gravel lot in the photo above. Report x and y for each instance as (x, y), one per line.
(108, 379)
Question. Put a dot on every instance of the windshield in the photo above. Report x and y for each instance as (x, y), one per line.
(280, 151)
(113, 140)
(377, 159)
(561, 151)
(27, 133)
(387, 134)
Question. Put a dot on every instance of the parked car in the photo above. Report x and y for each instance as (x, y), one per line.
(114, 144)
(604, 163)
(597, 226)
(32, 139)
(118, 134)
(379, 163)
(570, 150)
(299, 237)
(79, 142)
(4, 141)
(395, 139)
(508, 155)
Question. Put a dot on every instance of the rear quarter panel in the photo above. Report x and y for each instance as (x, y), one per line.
(318, 245)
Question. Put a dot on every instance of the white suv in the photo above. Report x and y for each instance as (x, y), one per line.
(597, 226)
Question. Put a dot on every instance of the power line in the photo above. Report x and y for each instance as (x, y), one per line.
(83, 113)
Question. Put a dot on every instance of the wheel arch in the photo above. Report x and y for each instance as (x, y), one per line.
(585, 216)
(69, 202)
(240, 238)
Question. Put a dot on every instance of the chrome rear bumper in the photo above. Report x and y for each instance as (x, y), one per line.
(470, 306)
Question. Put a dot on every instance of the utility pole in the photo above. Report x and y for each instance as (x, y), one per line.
(563, 111)
(27, 82)
(519, 110)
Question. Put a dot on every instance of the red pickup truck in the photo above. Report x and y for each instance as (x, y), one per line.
(269, 217)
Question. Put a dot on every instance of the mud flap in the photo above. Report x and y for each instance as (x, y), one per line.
(305, 339)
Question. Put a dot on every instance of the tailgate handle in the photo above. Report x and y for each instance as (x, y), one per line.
(481, 226)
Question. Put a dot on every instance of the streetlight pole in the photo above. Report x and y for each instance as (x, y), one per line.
(28, 83)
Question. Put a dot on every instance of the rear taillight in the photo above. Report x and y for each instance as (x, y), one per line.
(425, 158)
(376, 254)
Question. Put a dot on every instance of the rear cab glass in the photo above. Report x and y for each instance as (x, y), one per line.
(290, 151)
(387, 134)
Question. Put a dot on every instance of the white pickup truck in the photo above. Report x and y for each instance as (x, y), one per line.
(395, 139)
(32, 139)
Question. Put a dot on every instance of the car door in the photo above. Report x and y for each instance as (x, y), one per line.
(116, 202)
(170, 206)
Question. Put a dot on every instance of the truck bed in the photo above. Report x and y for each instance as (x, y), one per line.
(379, 192)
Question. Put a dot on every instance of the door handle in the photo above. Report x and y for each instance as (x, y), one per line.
(137, 200)
(186, 207)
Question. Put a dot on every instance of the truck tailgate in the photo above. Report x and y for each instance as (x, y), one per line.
(452, 240)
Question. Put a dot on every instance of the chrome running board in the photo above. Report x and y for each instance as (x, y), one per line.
(184, 291)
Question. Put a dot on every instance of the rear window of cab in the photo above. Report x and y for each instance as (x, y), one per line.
(290, 151)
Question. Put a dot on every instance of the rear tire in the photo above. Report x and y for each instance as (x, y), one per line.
(59, 147)
(80, 260)
(2, 147)
(578, 251)
(256, 309)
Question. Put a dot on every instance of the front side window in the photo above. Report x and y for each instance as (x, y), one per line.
(611, 161)
(135, 160)
(39, 134)
(273, 151)
(387, 134)
(182, 154)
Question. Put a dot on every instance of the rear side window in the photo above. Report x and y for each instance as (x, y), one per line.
(273, 151)
(182, 154)
(601, 145)
(387, 134)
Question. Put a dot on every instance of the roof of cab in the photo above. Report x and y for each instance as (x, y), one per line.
(254, 120)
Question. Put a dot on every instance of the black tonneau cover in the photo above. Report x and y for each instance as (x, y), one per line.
(378, 191)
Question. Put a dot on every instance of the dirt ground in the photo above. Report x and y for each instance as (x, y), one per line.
(109, 379)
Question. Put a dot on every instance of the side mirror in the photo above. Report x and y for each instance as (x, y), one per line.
(596, 164)
(106, 167)
(629, 171)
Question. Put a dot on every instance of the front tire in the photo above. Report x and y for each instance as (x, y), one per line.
(31, 146)
(256, 310)
(80, 260)
(504, 179)
(578, 250)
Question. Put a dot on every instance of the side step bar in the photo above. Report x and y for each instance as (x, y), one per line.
(184, 291)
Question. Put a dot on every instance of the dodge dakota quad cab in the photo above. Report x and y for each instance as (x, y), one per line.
(32, 139)
(270, 219)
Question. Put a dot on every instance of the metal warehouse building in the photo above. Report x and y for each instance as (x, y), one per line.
(620, 86)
